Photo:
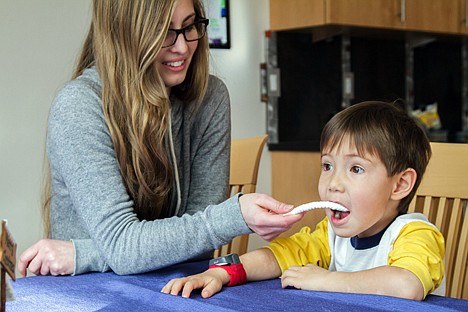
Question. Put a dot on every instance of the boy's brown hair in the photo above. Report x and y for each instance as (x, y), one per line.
(384, 130)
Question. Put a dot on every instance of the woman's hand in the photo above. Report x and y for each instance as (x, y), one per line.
(264, 215)
(211, 281)
(48, 256)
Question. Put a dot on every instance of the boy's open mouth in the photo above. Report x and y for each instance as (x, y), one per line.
(340, 214)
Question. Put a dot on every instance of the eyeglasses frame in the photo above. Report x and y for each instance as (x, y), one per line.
(204, 21)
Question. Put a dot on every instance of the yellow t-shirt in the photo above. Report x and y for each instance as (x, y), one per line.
(407, 243)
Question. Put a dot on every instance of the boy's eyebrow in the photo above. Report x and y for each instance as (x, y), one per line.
(354, 155)
(360, 156)
(350, 155)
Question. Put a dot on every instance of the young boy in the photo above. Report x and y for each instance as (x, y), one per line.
(373, 159)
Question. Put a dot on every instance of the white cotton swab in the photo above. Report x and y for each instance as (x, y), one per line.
(315, 205)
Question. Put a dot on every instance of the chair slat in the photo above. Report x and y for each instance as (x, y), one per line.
(451, 241)
(427, 205)
(460, 264)
(412, 205)
(441, 216)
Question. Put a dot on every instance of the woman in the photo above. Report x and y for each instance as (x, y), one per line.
(138, 146)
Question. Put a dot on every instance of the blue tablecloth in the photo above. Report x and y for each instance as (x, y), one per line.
(110, 292)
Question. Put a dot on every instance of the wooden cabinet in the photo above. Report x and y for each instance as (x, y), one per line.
(442, 16)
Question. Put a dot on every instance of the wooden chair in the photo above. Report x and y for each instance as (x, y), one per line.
(443, 197)
(245, 160)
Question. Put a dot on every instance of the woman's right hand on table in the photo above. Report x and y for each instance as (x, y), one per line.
(48, 257)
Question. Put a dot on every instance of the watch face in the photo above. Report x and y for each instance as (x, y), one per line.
(222, 263)
(226, 260)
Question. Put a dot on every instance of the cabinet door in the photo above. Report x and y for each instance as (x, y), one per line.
(368, 13)
(290, 14)
(432, 15)
(463, 18)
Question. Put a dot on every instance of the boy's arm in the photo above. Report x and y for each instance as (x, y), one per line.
(259, 265)
(384, 280)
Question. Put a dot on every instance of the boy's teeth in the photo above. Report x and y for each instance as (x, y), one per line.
(337, 214)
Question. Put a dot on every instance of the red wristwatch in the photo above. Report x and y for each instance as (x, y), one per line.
(231, 263)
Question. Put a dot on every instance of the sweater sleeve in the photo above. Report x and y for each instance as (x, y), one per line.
(82, 157)
(87, 257)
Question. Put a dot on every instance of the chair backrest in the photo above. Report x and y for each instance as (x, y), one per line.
(245, 161)
(443, 197)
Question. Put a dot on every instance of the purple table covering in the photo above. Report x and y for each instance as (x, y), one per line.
(110, 292)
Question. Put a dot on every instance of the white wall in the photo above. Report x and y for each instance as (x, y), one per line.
(39, 43)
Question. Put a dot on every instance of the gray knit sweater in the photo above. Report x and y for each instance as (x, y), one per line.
(91, 206)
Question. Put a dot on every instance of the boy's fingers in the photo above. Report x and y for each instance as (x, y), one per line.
(167, 288)
(177, 285)
(211, 288)
(208, 285)
(187, 290)
(191, 284)
(206, 293)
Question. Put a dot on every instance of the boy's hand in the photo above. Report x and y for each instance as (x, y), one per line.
(211, 281)
(309, 277)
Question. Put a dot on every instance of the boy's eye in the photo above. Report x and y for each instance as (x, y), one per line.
(357, 169)
(326, 167)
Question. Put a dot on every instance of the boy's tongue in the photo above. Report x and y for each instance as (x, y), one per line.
(340, 214)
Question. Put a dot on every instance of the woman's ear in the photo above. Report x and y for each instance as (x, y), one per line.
(404, 183)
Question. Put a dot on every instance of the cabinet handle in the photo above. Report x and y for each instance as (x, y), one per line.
(403, 10)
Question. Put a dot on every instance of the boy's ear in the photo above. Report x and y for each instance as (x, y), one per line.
(404, 183)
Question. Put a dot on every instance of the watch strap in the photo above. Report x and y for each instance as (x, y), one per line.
(236, 272)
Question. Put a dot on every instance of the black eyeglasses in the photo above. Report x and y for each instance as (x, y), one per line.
(192, 32)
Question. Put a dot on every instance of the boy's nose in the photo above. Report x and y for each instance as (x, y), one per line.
(335, 184)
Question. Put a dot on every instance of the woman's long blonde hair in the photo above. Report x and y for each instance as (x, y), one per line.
(123, 41)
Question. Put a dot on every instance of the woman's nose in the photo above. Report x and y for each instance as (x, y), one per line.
(180, 45)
